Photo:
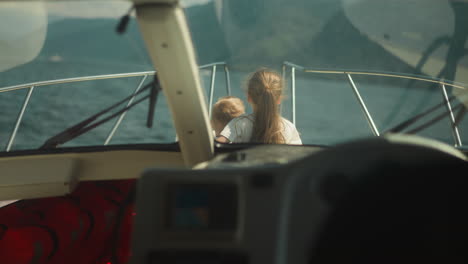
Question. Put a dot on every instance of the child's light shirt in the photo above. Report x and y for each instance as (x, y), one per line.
(239, 130)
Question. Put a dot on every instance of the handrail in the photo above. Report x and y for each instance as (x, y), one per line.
(401, 76)
(33, 85)
(209, 65)
(349, 73)
(92, 78)
(378, 73)
(76, 79)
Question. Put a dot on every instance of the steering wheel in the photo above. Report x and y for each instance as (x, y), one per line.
(382, 200)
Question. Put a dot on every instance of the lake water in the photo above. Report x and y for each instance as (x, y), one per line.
(327, 110)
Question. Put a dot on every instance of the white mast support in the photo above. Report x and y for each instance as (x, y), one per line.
(169, 45)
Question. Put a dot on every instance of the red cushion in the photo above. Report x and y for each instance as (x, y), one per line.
(13, 214)
(26, 245)
(83, 225)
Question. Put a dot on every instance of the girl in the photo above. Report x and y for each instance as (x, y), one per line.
(265, 125)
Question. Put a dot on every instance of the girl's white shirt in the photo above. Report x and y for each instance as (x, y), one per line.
(239, 130)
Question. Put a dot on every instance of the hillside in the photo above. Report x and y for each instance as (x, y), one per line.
(308, 33)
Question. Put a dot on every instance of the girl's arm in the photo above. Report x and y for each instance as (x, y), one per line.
(222, 139)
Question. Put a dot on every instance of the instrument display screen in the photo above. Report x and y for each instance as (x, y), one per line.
(200, 206)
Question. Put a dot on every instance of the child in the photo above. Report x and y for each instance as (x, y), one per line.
(265, 125)
(224, 110)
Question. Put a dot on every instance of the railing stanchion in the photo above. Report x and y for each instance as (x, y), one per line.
(293, 94)
(121, 117)
(213, 75)
(283, 72)
(456, 134)
(228, 79)
(18, 120)
(363, 106)
(283, 76)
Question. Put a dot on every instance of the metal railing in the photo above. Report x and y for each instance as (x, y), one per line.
(213, 67)
(367, 114)
(144, 75)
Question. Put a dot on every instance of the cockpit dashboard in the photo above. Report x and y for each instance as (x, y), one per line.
(287, 204)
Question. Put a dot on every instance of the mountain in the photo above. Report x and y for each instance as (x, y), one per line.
(305, 32)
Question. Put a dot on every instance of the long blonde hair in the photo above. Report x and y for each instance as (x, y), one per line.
(265, 89)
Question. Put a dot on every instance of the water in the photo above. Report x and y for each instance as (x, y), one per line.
(327, 111)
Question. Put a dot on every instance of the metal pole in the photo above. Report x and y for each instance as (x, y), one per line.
(213, 74)
(363, 106)
(18, 120)
(456, 134)
(283, 72)
(293, 94)
(283, 76)
(121, 117)
(228, 80)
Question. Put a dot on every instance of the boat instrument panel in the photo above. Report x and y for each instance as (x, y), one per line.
(277, 204)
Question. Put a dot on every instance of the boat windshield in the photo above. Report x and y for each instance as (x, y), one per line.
(353, 68)
(394, 52)
(67, 41)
